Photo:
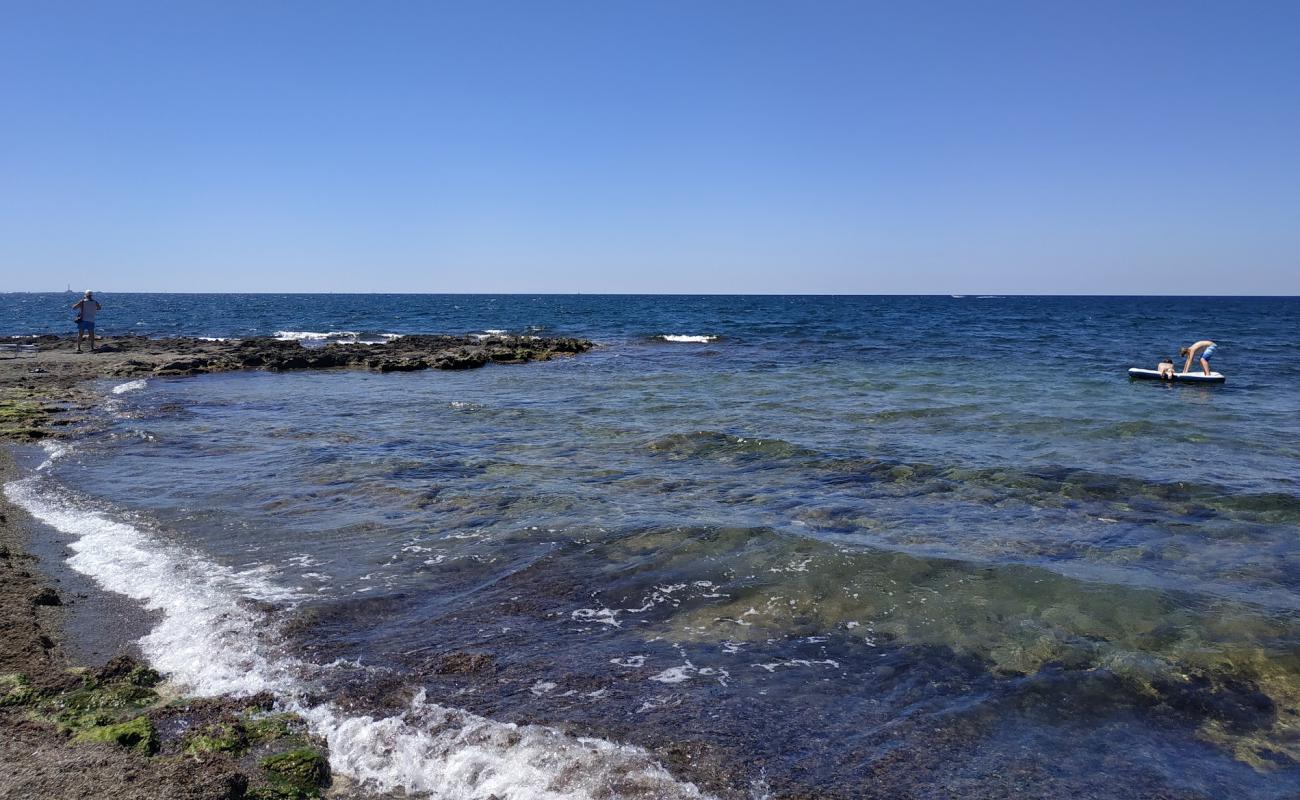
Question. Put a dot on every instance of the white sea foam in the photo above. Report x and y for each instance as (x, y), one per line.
(53, 452)
(130, 386)
(687, 337)
(605, 616)
(211, 642)
(674, 674)
(298, 336)
(336, 337)
(773, 666)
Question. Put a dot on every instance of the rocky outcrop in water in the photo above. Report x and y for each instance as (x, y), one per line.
(407, 354)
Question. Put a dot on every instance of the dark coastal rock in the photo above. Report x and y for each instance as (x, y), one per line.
(407, 354)
(126, 668)
(47, 597)
(130, 367)
(462, 359)
(183, 366)
(397, 364)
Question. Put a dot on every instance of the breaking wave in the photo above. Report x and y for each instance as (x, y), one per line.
(336, 337)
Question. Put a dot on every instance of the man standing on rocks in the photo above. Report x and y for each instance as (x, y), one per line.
(87, 307)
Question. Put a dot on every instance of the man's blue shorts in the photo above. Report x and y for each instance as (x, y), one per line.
(1207, 352)
(83, 325)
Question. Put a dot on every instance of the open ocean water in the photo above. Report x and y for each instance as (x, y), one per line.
(828, 546)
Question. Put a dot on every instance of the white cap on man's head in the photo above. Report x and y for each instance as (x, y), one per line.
(89, 293)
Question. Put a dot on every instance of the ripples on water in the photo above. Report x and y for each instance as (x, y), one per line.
(872, 546)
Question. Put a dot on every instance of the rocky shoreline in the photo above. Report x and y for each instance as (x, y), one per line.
(114, 732)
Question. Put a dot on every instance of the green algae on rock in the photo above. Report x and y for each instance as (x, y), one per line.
(18, 691)
(273, 726)
(138, 734)
(95, 700)
(296, 775)
(220, 737)
(254, 729)
(23, 415)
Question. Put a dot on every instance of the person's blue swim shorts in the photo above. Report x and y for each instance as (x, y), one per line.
(1209, 351)
(82, 325)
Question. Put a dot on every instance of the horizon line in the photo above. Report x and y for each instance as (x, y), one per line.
(953, 295)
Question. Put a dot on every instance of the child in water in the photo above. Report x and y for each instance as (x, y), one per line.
(1166, 369)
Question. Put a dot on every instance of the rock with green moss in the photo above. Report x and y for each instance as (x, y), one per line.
(94, 696)
(15, 690)
(144, 677)
(295, 775)
(137, 734)
(279, 791)
(221, 737)
(21, 417)
(271, 727)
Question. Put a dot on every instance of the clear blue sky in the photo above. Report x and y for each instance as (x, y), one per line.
(608, 146)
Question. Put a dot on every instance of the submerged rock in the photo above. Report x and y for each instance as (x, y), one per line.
(461, 663)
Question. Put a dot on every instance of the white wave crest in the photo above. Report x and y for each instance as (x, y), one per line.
(53, 452)
(210, 642)
(130, 386)
(336, 337)
(688, 337)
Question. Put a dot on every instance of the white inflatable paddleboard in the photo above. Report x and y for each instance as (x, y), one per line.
(1189, 377)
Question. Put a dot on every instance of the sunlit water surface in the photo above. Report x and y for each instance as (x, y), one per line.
(845, 546)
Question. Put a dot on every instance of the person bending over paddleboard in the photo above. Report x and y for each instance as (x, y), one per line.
(1206, 347)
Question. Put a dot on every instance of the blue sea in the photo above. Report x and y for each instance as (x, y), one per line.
(749, 546)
